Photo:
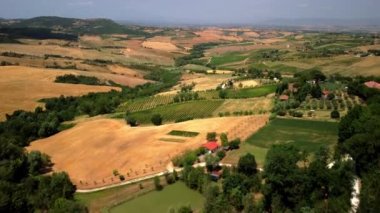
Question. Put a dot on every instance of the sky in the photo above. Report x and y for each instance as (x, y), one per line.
(193, 11)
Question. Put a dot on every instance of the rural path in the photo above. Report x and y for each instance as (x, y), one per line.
(169, 169)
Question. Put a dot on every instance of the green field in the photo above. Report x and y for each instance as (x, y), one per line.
(174, 112)
(304, 134)
(251, 92)
(172, 196)
(230, 57)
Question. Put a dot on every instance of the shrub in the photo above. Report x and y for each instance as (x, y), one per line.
(115, 172)
(281, 113)
(235, 144)
(335, 114)
(131, 121)
(330, 96)
(157, 183)
(121, 177)
(222, 94)
(156, 119)
(221, 154)
(211, 136)
(169, 178)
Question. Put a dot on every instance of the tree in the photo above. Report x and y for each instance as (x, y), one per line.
(224, 139)
(211, 136)
(156, 119)
(62, 205)
(169, 178)
(221, 154)
(335, 114)
(235, 144)
(236, 199)
(175, 175)
(370, 192)
(157, 183)
(247, 165)
(284, 186)
(316, 91)
(37, 161)
(131, 121)
(211, 162)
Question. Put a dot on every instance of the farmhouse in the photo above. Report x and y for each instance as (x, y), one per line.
(283, 98)
(372, 84)
(325, 93)
(211, 146)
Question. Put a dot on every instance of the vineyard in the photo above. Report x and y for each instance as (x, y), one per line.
(152, 102)
(145, 103)
(179, 111)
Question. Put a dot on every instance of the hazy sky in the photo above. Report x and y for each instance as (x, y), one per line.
(192, 11)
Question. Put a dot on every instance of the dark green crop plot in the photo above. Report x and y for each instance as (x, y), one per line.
(183, 133)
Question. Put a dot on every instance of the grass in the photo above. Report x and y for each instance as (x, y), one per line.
(183, 133)
(177, 111)
(304, 134)
(172, 196)
(251, 92)
(230, 57)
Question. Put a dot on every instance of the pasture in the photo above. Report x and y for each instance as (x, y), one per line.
(305, 134)
(171, 197)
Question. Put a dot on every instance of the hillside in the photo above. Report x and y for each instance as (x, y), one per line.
(73, 25)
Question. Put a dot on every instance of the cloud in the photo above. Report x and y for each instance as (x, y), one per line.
(81, 3)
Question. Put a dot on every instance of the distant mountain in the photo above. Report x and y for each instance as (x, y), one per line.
(73, 25)
(324, 23)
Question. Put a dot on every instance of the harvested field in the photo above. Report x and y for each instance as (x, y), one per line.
(164, 46)
(134, 152)
(247, 83)
(22, 87)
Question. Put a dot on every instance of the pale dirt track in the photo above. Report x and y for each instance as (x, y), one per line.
(22, 87)
(90, 151)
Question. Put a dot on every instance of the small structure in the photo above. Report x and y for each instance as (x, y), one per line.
(215, 175)
(372, 84)
(283, 98)
(211, 146)
(325, 93)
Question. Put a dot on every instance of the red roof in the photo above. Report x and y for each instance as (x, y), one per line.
(372, 84)
(284, 97)
(211, 145)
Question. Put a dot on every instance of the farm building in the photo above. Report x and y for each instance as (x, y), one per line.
(325, 93)
(283, 98)
(211, 146)
(372, 84)
(215, 175)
